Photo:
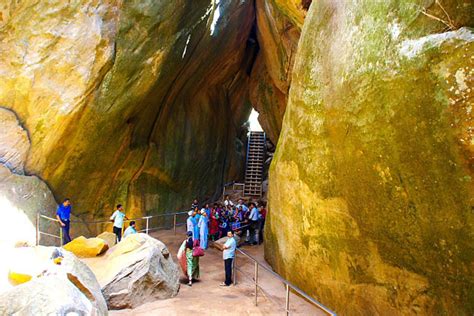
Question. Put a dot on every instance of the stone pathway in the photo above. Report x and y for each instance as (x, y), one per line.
(206, 297)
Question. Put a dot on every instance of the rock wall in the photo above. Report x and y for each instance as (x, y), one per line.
(371, 185)
(21, 196)
(278, 28)
(117, 96)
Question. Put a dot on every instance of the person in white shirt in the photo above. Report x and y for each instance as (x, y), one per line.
(130, 230)
(228, 255)
(242, 204)
(117, 217)
(228, 202)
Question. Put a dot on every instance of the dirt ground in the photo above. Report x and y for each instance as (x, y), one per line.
(206, 297)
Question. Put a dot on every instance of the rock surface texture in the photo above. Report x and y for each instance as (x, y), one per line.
(117, 96)
(87, 247)
(137, 270)
(371, 185)
(21, 196)
(278, 28)
(65, 289)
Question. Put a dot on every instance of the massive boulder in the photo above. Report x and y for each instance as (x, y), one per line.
(53, 289)
(137, 270)
(21, 196)
(371, 185)
(117, 96)
(278, 28)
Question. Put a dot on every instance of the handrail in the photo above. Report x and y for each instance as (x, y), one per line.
(287, 283)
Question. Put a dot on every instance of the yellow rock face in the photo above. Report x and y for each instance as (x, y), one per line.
(371, 189)
(87, 247)
(278, 31)
(117, 95)
(109, 238)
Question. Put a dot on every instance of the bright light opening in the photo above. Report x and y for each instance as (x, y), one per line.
(253, 121)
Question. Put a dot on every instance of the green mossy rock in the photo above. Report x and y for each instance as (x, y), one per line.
(371, 185)
(135, 102)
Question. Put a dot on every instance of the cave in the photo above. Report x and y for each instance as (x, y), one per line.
(368, 104)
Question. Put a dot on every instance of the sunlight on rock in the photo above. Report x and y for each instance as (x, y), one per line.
(19, 229)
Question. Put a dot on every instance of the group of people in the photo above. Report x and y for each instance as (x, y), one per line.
(219, 221)
(63, 216)
(214, 222)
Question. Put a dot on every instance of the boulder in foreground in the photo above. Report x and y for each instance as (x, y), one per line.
(87, 247)
(109, 238)
(68, 288)
(137, 270)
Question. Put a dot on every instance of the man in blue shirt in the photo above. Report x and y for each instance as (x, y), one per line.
(63, 215)
(229, 255)
(253, 217)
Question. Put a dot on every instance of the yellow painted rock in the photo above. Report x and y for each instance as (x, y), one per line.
(18, 278)
(109, 238)
(87, 247)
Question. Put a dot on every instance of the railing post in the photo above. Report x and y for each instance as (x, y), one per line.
(256, 283)
(234, 269)
(147, 223)
(287, 305)
(174, 223)
(37, 228)
(60, 235)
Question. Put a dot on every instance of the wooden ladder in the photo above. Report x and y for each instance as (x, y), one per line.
(256, 150)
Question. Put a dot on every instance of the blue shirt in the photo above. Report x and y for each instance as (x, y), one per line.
(230, 252)
(129, 231)
(64, 212)
(254, 214)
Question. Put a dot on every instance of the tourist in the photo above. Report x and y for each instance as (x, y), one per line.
(207, 209)
(194, 204)
(130, 230)
(117, 217)
(191, 261)
(214, 224)
(227, 201)
(192, 225)
(203, 229)
(224, 225)
(242, 204)
(253, 221)
(63, 215)
(229, 255)
(197, 214)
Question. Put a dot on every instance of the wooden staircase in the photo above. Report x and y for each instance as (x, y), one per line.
(256, 150)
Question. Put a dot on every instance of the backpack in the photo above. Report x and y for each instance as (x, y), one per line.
(197, 250)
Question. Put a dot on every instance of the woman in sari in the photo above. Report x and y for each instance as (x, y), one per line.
(214, 224)
(192, 269)
(203, 229)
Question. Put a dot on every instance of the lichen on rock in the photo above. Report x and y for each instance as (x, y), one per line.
(370, 187)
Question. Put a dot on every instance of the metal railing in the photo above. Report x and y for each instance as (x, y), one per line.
(289, 287)
(103, 223)
(232, 186)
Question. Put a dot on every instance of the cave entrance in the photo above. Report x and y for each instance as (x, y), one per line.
(254, 124)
